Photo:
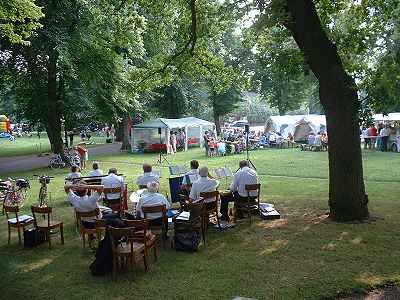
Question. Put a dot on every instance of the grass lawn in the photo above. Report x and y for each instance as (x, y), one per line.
(33, 145)
(301, 256)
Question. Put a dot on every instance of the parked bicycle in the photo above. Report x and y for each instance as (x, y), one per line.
(71, 158)
(43, 199)
(15, 193)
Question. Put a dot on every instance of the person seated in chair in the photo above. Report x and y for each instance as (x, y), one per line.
(152, 198)
(204, 184)
(242, 177)
(75, 173)
(112, 180)
(79, 199)
(191, 176)
(147, 177)
(96, 171)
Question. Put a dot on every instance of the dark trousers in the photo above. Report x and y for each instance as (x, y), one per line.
(231, 197)
(384, 141)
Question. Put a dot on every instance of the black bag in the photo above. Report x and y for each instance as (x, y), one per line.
(33, 237)
(187, 241)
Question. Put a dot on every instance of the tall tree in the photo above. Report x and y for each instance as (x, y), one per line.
(223, 103)
(76, 60)
(338, 95)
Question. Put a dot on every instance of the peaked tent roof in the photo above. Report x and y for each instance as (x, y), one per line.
(173, 123)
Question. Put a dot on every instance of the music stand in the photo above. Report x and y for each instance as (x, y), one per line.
(161, 156)
(247, 147)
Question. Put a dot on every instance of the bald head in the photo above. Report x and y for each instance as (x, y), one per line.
(203, 172)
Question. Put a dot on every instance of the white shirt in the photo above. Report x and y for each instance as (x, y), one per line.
(146, 178)
(151, 199)
(193, 176)
(74, 175)
(85, 203)
(113, 181)
(364, 133)
(97, 172)
(241, 178)
(385, 132)
(317, 140)
(204, 184)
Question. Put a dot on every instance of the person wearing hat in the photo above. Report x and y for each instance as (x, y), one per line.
(152, 198)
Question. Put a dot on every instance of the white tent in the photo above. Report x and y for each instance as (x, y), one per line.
(297, 125)
(389, 117)
(146, 136)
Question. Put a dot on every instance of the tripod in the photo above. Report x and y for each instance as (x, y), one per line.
(161, 156)
(247, 149)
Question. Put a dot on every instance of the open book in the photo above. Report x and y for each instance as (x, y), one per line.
(185, 216)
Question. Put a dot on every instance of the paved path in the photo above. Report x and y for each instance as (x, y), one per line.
(31, 162)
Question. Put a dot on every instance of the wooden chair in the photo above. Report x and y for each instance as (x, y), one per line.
(114, 204)
(211, 211)
(196, 221)
(124, 249)
(83, 231)
(100, 226)
(47, 225)
(197, 218)
(145, 236)
(158, 229)
(251, 203)
(18, 222)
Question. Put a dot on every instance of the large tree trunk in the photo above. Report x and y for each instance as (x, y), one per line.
(338, 95)
(126, 145)
(53, 118)
(217, 118)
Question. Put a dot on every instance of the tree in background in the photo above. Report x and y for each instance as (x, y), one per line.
(75, 63)
(223, 103)
(18, 19)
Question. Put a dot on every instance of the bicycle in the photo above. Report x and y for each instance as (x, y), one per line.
(56, 162)
(44, 180)
(15, 195)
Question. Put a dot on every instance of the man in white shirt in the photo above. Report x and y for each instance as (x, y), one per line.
(153, 198)
(79, 199)
(96, 171)
(113, 181)
(147, 177)
(244, 176)
(384, 134)
(204, 184)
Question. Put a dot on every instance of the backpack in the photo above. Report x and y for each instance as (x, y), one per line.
(187, 241)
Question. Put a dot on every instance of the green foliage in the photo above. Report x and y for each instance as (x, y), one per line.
(280, 71)
(18, 19)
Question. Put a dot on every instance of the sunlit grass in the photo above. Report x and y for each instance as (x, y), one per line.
(301, 256)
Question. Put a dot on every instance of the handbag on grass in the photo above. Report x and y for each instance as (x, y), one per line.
(187, 241)
(33, 237)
